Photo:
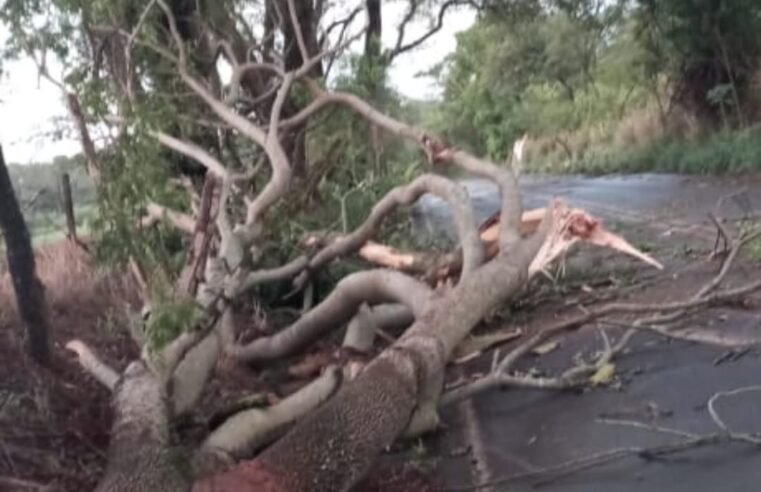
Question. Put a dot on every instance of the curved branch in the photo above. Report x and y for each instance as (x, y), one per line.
(454, 194)
(401, 48)
(369, 321)
(511, 209)
(193, 151)
(372, 287)
(357, 104)
(258, 277)
(244, 433)
(179, 220)
(101, 371)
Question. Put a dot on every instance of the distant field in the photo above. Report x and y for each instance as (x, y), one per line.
(50, 226)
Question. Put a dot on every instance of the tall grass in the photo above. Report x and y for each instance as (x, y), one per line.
(723, 152)
(72, 282)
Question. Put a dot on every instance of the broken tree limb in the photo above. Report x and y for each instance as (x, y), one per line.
(368, 413)
(501, 375)
(454, 194)
(570, 227)
(248, 431)
(373, 286)
(179, 220)
(90, 362)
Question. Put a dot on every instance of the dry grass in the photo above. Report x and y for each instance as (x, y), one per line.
(54, 422)
(71, 279)
(639, 128)
(645, 126)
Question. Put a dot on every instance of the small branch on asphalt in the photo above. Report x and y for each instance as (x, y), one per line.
(502, 376)
(688, 441)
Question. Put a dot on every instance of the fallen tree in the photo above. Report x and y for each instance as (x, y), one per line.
(327, 435)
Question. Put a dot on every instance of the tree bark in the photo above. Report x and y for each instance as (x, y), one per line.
(374, 28)
(333, 448)
(30, 294)
(140, 456)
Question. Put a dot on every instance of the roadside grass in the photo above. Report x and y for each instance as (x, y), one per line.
(50, 226)
(723, 152)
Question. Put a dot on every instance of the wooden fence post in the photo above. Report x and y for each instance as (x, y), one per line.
(68, 207)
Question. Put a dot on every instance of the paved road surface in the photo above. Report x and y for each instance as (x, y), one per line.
(663, 383)
(665, 201)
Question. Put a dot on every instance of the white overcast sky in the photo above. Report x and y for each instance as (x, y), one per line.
(29, 107)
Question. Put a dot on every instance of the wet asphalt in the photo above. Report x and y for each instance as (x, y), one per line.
(659, 383)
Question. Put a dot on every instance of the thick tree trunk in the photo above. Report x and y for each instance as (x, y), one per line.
(140, 456)
(30, 294)
(332, 448)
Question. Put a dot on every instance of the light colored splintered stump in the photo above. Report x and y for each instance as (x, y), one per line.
(570, 227)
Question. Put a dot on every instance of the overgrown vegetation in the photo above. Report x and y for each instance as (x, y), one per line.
(603, 86)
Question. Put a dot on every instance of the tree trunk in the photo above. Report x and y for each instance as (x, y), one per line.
(140, 456)
(333, 448)
(374, 28)
(30, 295)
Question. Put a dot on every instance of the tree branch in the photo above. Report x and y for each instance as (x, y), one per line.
(194, 152)
(453, 194)
(373, 287)
(180, 220)
(400, 48)
(258, 277)
(246, 432)
(92, 364)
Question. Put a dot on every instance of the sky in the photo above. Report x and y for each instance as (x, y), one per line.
(32, 110)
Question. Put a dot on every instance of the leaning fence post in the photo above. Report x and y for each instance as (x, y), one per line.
(68, 207)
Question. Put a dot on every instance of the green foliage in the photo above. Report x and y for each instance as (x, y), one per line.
(170, 318)
(722, 152)
(532, 73)
(136, 172)
(37, 184)
(585, 79)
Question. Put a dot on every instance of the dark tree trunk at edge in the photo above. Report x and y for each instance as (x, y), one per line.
(30, 295)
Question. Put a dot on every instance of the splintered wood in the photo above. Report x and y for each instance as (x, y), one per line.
(569, 226)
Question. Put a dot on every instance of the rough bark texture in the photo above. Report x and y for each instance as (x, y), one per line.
(140, 458)
(333, 452)
(374, 286)
(30, 294)
(333, 448)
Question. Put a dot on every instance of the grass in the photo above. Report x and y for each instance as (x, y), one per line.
(72, 279)
(50, 227)
(718, 153)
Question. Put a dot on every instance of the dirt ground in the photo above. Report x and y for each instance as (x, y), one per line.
(54, 423)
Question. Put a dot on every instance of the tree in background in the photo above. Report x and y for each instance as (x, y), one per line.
(711, 49)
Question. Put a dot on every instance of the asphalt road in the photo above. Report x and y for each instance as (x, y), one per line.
(663, 201)
(661, 383)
